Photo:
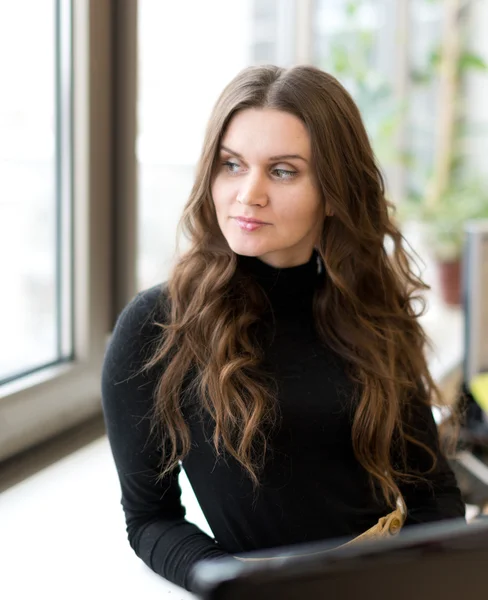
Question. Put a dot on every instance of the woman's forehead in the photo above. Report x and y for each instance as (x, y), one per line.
(267, 133)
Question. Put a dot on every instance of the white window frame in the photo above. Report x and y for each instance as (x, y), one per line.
(40, 405)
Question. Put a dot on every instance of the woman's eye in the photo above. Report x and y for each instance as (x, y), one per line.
(284, 173)
(230, 166)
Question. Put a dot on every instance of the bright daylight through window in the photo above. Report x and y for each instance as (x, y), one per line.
(35, 188)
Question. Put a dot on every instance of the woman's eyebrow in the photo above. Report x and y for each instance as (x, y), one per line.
(285, 156)
(271, 158)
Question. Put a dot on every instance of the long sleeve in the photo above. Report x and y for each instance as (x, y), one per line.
(437, 497)
(157, 529)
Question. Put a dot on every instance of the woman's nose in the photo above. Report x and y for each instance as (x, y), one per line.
(253, 191)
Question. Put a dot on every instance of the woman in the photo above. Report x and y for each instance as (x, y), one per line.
(282, 363)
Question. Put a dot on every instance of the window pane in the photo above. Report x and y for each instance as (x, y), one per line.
(426, 19)
(366, 33)
(188, 51)
(34, 185)
(356, 43)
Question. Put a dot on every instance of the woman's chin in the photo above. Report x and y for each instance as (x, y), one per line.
(248, 248)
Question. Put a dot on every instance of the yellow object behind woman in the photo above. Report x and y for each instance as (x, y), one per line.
(479, 389)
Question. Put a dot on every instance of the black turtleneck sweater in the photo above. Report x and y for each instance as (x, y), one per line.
(312, 486)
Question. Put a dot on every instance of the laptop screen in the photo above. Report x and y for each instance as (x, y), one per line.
(445, 561)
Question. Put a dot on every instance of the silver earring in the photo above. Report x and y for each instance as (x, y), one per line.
(319, 265)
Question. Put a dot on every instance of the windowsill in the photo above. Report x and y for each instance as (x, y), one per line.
(43, 404)
(38, 377)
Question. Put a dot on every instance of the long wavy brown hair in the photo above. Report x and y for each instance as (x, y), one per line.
(367, 313)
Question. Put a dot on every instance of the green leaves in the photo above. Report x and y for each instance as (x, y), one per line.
(464, 200)
(471, 61)
(352, 7)
(351, 58)
(468, 61)
(429, 71)
(340, 59)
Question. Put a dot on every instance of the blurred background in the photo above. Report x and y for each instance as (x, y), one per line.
(102, 113)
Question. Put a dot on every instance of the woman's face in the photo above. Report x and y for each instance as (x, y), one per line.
(265, 173)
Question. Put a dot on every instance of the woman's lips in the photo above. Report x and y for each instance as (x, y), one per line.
(249, 225)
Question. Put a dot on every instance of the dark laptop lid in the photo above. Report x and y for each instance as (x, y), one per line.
(447, 560)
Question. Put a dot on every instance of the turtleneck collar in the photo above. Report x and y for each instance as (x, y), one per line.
(284, 284)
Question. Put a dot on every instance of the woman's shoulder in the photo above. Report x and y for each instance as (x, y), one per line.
(153, 300)
(148, 306)
(138, 326)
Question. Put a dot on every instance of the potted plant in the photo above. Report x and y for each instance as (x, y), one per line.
(443, 225)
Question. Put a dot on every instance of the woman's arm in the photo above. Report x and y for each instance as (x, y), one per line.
(436, 497)
(156, 525)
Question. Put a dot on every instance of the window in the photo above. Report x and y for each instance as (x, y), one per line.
(355, 41)
(35, 187)
(426, 19)
(55, 209)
